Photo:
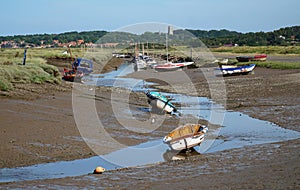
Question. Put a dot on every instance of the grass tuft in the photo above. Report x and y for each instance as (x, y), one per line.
(274, 64)
(31, 73)
(282, 50)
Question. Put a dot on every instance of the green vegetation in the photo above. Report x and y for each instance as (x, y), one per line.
(37, 39)
(31, 73)
(275, 64)
(283, 37)
(38, 71)
(259, 49)
(213, 38)
(11, 55)
(35, 71)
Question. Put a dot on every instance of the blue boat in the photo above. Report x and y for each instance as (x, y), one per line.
(235, 70)
(160, 102)
(83, 65)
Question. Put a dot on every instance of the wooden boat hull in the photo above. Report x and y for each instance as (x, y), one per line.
(185, 137)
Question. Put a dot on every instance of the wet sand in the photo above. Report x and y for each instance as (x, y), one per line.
(37, 126)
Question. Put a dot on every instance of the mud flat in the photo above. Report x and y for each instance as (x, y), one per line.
(37, 126)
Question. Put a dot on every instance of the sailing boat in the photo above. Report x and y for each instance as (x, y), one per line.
(141, 60)
(138, 59)
(169, 65)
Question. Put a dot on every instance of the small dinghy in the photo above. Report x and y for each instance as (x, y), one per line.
(160, 102)
(186, 136)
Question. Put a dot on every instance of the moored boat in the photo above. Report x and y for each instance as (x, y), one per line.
(186, 136)
(235, 70)
(170, 66)
(258, 57)
(167, 67)
(83, 65)
(244, 58)
(72, 75)
(160, 102)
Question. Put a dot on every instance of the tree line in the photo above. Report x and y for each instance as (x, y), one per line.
(283, 36)
(212, 38)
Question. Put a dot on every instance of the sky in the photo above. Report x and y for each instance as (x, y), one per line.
(19, 17)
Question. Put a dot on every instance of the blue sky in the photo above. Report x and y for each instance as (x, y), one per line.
(57, 16)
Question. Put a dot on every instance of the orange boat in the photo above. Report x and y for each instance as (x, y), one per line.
(259, 57)
(72, 75)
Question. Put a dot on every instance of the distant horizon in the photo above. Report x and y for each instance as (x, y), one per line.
(145, 31)
(18, 17)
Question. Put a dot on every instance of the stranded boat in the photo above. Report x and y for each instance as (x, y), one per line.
(72, 75)
(83, 65)
(170, 66)
(167, 67)
(80, 67)
(235, 70)
(160, 102)
(186, 136)
(259, 57)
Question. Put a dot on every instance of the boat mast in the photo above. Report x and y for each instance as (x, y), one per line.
(167, 47)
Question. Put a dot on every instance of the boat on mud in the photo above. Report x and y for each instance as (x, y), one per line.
(167, 67)
(143, 61)
(258, 57)
(244, 58)
(72, 75)
(223, 61)
(170, 66)
(80, 68)
(83, 65)
(160, 103)
(235, 70)
(186, 136)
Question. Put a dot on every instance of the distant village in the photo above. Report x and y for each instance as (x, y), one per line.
(82, 43)
(54, 44)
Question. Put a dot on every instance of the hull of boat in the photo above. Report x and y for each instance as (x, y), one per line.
(262, 57)
(172, 66)
(233, 70)
(71, 75)
(259, 57)
(244, 58)
(160, 102)
(186, 137)
(167, 67)
(187, 142)
(141, 64)
(161, 105)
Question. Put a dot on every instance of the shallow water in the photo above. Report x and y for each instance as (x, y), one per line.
(115, 78)
(238, 130)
